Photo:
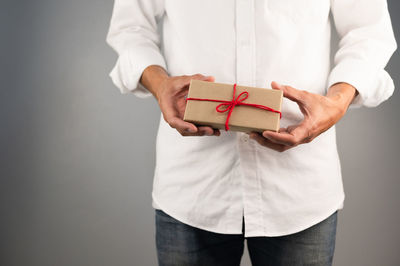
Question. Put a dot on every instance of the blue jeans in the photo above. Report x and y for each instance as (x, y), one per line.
(179, 244)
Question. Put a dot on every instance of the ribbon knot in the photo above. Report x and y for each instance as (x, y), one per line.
(230, 105)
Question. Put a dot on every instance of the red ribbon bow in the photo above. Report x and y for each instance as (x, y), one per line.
(229, 105)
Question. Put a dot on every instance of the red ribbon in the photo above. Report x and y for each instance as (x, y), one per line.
(229, 105)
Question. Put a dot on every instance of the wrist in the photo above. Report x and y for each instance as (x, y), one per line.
(342, 93)
(152, 79)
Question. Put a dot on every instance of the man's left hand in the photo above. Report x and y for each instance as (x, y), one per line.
(320, 113)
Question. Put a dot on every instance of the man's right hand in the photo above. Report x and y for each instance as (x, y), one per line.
(170, 93)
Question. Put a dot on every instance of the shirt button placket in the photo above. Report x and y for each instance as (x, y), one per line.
(244, 42)
(245, 74)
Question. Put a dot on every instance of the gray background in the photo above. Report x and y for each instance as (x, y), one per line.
(77, 157)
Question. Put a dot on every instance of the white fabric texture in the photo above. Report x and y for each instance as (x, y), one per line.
(210, 182)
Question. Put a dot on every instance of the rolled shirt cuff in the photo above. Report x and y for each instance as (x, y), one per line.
(129, 68)
(373, 85)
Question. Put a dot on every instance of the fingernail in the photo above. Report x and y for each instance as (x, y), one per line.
(191, 130)
(277, 83)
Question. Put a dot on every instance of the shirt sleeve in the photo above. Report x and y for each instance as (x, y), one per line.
(134, 35)
(366, 43)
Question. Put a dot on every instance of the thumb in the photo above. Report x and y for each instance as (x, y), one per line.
(204, 78)
(209, 78)
(184, 81)
(187, 79)
(276, 86)
(288, 92)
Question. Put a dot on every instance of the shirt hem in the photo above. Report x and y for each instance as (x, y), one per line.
(255, 233)
(185, 221)
(315, 221)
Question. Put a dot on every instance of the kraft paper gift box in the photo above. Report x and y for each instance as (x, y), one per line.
(244, 108)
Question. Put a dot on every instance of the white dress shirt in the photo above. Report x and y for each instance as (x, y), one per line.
(209, 182)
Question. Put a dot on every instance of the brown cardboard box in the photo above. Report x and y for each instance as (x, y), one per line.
(243, 118)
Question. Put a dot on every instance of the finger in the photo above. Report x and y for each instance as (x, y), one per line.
(202, 131)
(267, 143)
(202, 77)
(209, 78)
(290, 137)
(185, 80)
(301, 97)
(213, 131)
(188, 134)
(289, 92)
(181, 125)
(283, 129)
(171, 116)
(208, 131)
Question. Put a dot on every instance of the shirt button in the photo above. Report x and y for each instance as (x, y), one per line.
(244, 43)
(245, 138)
